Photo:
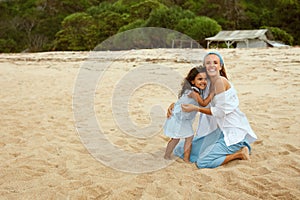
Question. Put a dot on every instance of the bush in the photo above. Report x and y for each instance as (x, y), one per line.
(109, 24)
(78, 32)
(7, 46)
(136, 24)
(143, 9)
(280, 35)
(198, 28)
(168, 17)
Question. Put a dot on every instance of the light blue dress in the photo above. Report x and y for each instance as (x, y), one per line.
(210, 151)
(180, 124)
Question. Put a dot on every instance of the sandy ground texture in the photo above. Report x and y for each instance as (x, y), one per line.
(88, 125)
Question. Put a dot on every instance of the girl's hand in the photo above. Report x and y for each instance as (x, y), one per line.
(189, 107)
(170, 110)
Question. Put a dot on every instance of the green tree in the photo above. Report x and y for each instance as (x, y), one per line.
(79, 31)
(136, 24)
(287, 17)
(143, 9)
(168, 17)
(227, 13)
(110, 18)
(7, 45)
(109, 23)
(34, 25)
(198, 28)
(106, 6)
(284, 14)
(253, 20)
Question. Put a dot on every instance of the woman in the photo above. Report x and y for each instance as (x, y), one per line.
(227, 134)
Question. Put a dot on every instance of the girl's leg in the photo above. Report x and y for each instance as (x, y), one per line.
(187, 149)
(170, 147)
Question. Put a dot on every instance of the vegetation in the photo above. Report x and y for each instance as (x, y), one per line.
(45, 25)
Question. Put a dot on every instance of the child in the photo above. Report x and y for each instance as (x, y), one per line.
(179, 125)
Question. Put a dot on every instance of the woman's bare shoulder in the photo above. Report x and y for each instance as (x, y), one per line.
(221, 85)
(226, 83)
(222, 81)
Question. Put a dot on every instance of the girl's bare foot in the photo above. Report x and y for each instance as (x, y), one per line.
(187, 161)
(167, 157)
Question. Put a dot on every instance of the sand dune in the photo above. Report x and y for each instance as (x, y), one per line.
(52, 148)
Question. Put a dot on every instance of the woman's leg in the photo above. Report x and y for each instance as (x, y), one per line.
(242, 154)
(170, 147)
(220, 154)
(187, 149)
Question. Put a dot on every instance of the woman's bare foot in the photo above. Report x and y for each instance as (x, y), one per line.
(242, 154)
(245, 153)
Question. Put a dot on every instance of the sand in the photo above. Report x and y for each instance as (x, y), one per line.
(51, 148)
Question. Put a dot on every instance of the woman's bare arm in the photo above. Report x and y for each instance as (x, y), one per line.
(191, 107)
(170, 110)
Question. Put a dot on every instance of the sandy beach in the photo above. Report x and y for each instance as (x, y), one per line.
(62, 138)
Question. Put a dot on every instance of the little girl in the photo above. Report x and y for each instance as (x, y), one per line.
(180, 124)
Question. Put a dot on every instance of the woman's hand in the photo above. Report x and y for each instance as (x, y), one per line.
(170, 110)
(212, 94)
(189, 107)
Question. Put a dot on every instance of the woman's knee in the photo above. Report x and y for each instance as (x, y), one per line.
(204, 161)
(204, 165)
(210, 161)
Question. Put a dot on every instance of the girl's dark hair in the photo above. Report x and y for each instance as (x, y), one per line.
(187, 81)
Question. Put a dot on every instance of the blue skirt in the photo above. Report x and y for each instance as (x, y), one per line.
(210, 151)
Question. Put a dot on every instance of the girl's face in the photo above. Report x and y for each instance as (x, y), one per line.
(200, 81)
(212, 64)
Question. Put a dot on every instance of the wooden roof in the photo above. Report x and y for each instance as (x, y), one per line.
(239, 35)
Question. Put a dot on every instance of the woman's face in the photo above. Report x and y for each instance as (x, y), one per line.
(212, 64)
(200, 81)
